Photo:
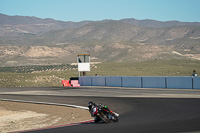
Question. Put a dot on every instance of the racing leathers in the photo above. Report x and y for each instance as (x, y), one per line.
(93, 108)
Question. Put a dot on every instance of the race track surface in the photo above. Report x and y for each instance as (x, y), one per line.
(137, 114)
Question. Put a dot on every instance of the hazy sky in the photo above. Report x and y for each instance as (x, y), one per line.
(79, 10)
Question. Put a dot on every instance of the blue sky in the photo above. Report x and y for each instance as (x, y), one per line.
(79, 10)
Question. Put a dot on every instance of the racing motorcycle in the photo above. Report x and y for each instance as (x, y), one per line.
(105, 115)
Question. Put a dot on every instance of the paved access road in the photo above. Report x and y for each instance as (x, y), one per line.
(141, 110)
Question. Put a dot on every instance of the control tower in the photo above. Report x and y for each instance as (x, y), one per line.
(83, 63)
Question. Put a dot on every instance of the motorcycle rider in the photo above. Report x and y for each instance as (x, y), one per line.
(93, 106)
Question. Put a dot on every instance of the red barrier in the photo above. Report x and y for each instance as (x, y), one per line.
(66, 83)
(75, 83)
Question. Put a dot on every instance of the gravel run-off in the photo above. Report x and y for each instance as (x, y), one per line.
(16, 116)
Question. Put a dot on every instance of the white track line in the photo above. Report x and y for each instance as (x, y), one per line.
(46, 103)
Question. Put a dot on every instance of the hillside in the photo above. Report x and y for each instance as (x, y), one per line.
(35, 41)
(158, 24)
(25, 25)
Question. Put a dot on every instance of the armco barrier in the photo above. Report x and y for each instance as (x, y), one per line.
(196, 82)
(132, 82)
(153, 82)
(141, 82)
(179, 82)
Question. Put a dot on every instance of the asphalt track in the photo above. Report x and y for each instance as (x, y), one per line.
(141, 110)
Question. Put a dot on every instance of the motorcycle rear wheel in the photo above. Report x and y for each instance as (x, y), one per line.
(104, 118)
(97, 119)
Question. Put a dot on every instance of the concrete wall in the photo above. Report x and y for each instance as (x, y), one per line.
(141, 82)
(114, 81)
(179, 82)
(196, 82)
(85, 81)
(132, 82)
(153, 82)
(98, 81)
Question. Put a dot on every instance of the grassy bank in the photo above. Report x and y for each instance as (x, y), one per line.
(41, 79)
(146, 68)
(149, 68)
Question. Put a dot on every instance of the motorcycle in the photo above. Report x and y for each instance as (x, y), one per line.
(105, 115)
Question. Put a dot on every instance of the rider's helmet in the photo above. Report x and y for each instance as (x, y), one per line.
(90, 104)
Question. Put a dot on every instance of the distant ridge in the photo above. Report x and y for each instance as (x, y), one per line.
(30, 40)
(158, 24)
(36, 31)
(33, 25)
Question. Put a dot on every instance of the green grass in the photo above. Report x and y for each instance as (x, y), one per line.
(145, 68)
(29, 69)
(41, 79)
(149, 68)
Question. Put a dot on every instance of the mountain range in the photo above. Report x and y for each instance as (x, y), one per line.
(33, 41)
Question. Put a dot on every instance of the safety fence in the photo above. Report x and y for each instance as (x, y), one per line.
(141, 82)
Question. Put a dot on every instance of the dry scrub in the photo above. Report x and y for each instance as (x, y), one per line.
(16, 116)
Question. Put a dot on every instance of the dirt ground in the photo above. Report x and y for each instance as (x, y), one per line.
(15, 116)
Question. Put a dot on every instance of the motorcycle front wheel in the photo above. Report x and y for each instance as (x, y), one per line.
(115, 118)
